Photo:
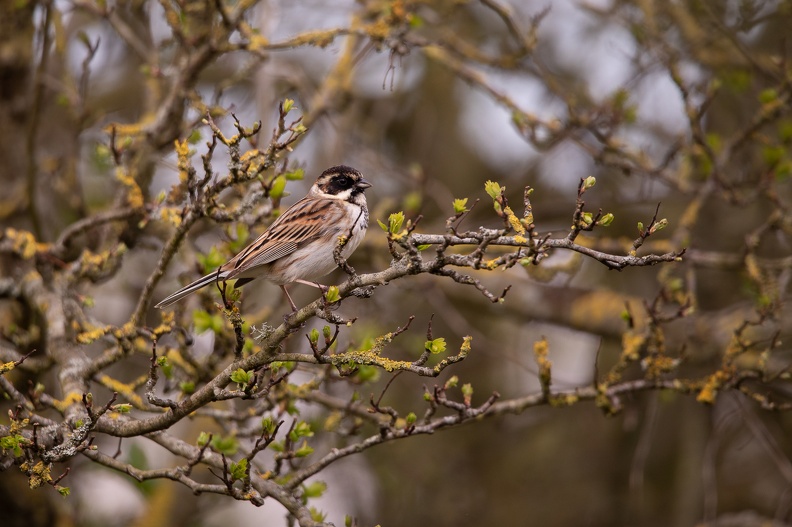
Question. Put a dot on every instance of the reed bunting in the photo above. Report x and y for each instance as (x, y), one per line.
(299, 245)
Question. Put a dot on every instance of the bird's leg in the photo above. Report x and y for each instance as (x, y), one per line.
(322, 288)
(289, 298)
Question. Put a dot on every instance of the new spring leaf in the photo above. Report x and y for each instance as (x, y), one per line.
(436, 346)
(395, 222)
(460, 205)
(493, 189)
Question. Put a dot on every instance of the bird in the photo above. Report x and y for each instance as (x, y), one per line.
(299, 245)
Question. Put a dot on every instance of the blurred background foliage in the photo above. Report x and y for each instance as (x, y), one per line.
(683, 103)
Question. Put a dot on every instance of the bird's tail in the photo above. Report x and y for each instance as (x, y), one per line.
(191, 288)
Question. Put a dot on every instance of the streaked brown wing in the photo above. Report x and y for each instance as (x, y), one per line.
(303, 222)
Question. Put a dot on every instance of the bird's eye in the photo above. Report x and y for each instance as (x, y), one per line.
(343, 181)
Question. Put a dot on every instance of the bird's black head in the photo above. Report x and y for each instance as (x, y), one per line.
(341, 182)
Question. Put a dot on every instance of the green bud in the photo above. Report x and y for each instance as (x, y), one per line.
(314, 336)
(467, 393)
(332, 294)
(288, 104)
(659, 226)
(589, 182)
(467, 389)
(606, 220)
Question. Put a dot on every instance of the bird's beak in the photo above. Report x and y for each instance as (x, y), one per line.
(363, 184)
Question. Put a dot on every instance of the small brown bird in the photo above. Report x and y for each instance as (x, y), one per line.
(299, 245)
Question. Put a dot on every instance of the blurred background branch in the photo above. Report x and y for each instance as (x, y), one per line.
(527, 151)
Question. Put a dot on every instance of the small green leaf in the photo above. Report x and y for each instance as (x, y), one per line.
(288, 104)
(123, 408)
(640, 226)
(493, 189)
(203, 438)
(242, 377)
(411, 418)
(589, 182)
(165, 366)
(194, 138)
(294, 175)
(268, 425)
(332, 294)
(301, 429)
(63, 491)
(315, 489)
(238, 470)
(313, 336)
(187, 387)
(317, 515)
(587, 218)
(14, 443)
(304, 450)
(277, 187)
(435, 346)
(327, 333)
(452, 382)
(225, 445)
(460, 205)
(395, 222)
(423, 246)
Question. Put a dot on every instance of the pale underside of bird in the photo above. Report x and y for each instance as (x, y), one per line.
(299, 245)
